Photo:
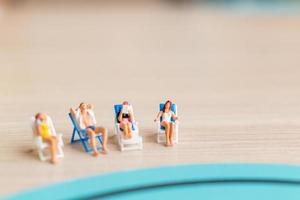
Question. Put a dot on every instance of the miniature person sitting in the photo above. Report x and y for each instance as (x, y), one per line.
(43, 130)
(125, 118)
(167, 115)
(87, 121)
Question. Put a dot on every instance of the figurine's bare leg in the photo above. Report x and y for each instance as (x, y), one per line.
(129, 125)
(53, 148)
(167, 131)
(171, 133)
(92, 134)
(125, 129)
(104, 136)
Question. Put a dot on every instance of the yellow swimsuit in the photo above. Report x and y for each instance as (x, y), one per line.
(45, 132)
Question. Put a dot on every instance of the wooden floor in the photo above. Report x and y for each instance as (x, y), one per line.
(234, 77)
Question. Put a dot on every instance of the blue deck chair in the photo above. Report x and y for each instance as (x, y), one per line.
(134, 143)
(82, 136)
(161, 137)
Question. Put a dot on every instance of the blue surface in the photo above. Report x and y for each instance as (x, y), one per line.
(117, 108)
(209, 182)
(259, 7)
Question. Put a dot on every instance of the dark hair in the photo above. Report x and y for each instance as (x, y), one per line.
(164, 108)
(80, 104)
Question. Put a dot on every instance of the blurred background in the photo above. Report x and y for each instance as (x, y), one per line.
(210, 52)
(232, 66)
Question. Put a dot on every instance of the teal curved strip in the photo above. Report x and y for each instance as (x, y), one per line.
(250, 7)
(209, 182)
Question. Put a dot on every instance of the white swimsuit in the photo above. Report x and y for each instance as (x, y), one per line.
(167, 116)
(80, 120)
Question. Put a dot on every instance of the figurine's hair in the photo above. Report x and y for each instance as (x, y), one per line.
(80, 104)
(37, 115)
(164, 108)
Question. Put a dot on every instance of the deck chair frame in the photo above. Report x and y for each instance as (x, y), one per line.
(136, 142)
(80, 136)
(161, 137)
(43, 146)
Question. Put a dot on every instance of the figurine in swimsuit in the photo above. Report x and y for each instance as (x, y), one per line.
(87, 121)
(43, 130)
(125, 119)
(167, 115)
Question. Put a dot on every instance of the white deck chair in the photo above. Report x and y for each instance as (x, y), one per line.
(135, 142)
(42, 146)
(161, 136)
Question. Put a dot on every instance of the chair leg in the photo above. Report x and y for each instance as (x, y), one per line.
(73, 136)
(176, 138)
(60, 152)
(42, 156)
(85, 146)
(100, 139)
(159, 138)
(141, 143)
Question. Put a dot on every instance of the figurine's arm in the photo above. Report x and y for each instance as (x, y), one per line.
(90, 106)
(91, 112)
(131, 116)
(174, 116)
(120, 117)
(72, 111)
(158, 116)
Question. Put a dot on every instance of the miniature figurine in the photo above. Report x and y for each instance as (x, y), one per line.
(125, 118)
(126, 128)
(86, 119)
(43, 130)
(166, 115)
